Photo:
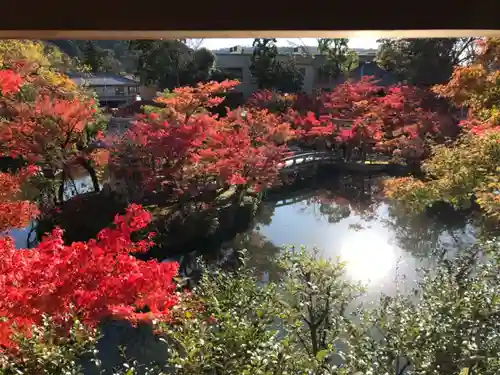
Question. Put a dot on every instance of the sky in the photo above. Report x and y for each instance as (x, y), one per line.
(215, 43)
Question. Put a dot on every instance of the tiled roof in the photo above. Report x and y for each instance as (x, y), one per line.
(102, 79)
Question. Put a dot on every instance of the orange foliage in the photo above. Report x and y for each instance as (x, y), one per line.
(15, 213)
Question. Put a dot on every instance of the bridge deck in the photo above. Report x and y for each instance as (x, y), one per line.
(302, 158)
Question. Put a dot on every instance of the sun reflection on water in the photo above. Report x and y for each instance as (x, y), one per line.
(368, 255)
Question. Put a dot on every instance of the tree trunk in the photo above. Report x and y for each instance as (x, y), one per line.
(92, 173)
(60, 192)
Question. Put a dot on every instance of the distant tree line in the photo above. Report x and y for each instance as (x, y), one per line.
(172, 63)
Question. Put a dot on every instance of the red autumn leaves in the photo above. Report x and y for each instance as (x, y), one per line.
(184, 148)
(10, 82)
(90, 281)
(42, 121)
(15, 213)
(362, 114)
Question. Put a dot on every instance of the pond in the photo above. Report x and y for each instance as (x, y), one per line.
(347, 217)
(80, 184)
(343, 217)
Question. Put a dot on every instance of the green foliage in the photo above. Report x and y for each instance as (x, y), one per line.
(113, 54)
(288, 77)
(47, 352)
(308, 323)
(253, 328)
(317, 303)
(424, 61)
(220, 75)
(264, 62)
(340, 60)
(449, 322)
(271, 73)
(243, 341)
(199, 68)
(171, 63)
(98, 59)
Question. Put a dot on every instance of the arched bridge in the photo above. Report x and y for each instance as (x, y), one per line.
(304, 159)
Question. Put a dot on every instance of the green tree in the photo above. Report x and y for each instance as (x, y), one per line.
(116, 53)
(288, 77)
(199, 68)
(271, 73)
(264, 62)
(424, 61)
(171, 63)
(99, 60)
(340, 59)
(249, 328)
(447, 323)
(160, 62)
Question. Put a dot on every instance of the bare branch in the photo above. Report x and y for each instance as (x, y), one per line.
(194, 43)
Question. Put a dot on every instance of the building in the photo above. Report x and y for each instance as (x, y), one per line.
(237, 61)
(370, 68)
(112, 90)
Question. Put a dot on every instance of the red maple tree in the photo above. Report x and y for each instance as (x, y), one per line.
(399, 124)
(249, 149)
(361, 114)
(184, 150)
(87, 280)
(45, 123)
(329, 116)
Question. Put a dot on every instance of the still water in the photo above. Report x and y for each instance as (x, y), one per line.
(79, 185)
(347, 218)
(343, 217)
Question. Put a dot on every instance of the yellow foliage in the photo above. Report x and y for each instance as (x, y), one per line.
(29, 50)
(48, 61)
(468, 170)
(57, 79)
(477, 86)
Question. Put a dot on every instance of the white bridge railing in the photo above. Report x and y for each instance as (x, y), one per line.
(302, 158)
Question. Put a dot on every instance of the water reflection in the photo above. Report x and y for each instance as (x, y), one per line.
(21, 236)
(346, 217)
(80, 184)
(369, 256)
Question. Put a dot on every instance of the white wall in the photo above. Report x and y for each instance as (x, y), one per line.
(223, 61)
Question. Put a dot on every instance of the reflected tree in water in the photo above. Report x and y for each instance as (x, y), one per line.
(431, 233)
(264, 214)
(346, 196)
(261, 254)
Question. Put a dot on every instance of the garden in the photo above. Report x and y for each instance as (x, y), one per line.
(190, 175)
